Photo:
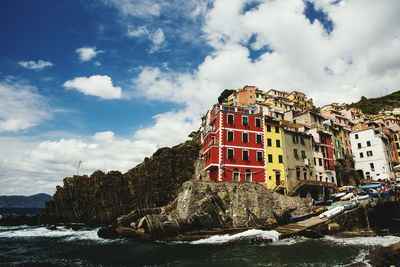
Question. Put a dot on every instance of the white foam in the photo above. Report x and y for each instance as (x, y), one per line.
(365, 241)
(253, 233)
(68, 234)
(290, 241)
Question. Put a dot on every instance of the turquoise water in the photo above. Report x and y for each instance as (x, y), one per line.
(38, 246)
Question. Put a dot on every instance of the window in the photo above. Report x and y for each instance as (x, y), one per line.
(316, 148)
(369, 153)
(303, 154)
(230, 118)
(320, 162)
(269, 142)
(372, 166)
(305, 173)
(230, 153)
(295, 139)
(230, 136)
(333, 180)
(245, 120)
(258, 122)
(359, 145)
(368, 143)
(395, 137)
(296, 155)
(245, 155)
(268, 128)
(298, 173)
(245, 137)
(337, 143)
(276, 129)
(356, 136)
(270, 158)
(397, 146)
(280, 159)
(248, 176)
(235, 176)
(315, 161)
(368, 175)
(302, 140)
(278, 143)
(259, 156)
(259, 139)
(361, 155)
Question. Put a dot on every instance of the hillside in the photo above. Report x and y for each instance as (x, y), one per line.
(374, 105)
(34, 201)
(101, 197)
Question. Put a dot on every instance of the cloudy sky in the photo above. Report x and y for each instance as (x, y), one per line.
(107, 82)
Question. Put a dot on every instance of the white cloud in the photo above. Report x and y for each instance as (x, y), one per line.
(35, 65)
(356, 59)
(136, 8)
(156, 37)
(96, 85)
(87, 53)
(138, 31)
(21, 106)
(31, 167)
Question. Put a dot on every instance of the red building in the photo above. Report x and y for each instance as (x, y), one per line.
(326, 144)
(233, 144)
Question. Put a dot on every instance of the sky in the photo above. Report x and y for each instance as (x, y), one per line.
(107, 82)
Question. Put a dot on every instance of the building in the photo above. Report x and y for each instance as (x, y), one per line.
(300, 100)
(233, 144)
(298, 155)
(274, 154)
(372, 153)
(323, 156)
(247, 96)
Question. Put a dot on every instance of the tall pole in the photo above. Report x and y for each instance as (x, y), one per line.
(79, 166)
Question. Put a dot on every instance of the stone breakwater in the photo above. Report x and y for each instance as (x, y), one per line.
(102, 197)
(203, 208)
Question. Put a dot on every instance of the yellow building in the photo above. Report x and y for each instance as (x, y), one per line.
(300, 99)
(274, 155)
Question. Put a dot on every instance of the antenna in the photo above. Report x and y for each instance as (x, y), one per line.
(79, 166)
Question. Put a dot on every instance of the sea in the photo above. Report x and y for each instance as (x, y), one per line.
(39, 246)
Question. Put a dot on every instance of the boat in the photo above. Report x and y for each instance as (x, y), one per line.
(347, 196)
(338, 195)
(322, 202)
(300, 218)
(346, 188)
(319, 210)
(351, 205)
(370, 186)
(335, 211)
(362, 197)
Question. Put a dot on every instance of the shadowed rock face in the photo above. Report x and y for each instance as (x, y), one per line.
(205, 205)
(100, 197)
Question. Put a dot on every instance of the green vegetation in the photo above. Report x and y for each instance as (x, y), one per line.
(224, 95)
(374, 105)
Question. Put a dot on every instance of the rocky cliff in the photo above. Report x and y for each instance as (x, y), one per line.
(101, 197)
(202, 207)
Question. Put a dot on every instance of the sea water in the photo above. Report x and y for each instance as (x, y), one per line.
(39, 246)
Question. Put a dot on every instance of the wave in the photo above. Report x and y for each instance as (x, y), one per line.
(290, 241)
(371, 241)
(61, 232)
(252, 234)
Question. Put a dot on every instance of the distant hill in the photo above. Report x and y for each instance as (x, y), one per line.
(374, 105)
(34, 201)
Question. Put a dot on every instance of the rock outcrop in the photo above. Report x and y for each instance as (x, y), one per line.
(100, 198)
(205, 206)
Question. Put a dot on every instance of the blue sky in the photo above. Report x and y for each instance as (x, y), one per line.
(108, 82)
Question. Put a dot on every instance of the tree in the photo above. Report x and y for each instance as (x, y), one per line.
(224, 95)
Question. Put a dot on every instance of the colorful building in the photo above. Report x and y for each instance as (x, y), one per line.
(274, 154)
(298, 155)
(372, 153)
(247, 96)
(233, 144)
